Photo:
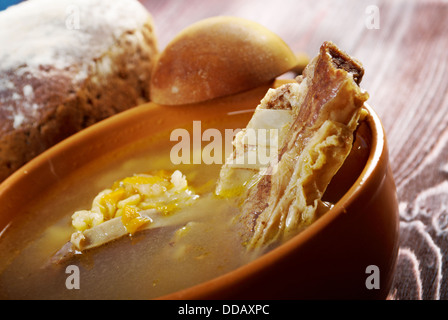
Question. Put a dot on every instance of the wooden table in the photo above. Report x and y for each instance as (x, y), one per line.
(404, 48)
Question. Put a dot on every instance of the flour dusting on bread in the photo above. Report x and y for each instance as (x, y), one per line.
(65, 65)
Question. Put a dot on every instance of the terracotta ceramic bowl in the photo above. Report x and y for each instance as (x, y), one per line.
(330, 259)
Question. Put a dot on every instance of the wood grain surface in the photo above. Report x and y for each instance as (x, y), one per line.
(404, 48)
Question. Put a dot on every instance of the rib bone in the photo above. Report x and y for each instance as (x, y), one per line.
(285, 197)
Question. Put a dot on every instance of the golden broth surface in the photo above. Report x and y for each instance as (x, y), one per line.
(149, 264)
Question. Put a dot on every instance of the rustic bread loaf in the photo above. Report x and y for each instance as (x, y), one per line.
(65, 65)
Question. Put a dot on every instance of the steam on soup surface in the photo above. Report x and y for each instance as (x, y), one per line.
(147, 264)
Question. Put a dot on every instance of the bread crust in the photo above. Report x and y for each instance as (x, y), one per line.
(44, 104)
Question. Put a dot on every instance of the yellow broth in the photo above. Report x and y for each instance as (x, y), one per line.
(149, 264)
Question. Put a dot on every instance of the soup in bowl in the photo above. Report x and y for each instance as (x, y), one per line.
(348, 252)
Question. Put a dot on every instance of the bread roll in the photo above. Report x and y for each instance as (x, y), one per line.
(65, 65)
(216, 57)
